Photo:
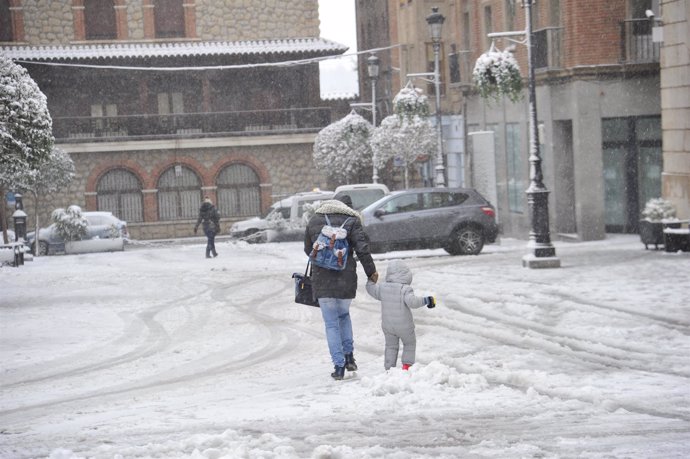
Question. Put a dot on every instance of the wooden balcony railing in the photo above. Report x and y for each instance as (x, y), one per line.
(214, 124)
(636, 41)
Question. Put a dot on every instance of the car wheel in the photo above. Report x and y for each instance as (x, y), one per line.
(467, 240)
(42, 248)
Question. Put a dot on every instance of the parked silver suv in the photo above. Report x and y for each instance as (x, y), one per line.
(458, 219)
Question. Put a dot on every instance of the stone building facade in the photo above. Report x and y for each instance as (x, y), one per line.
(600, 92)
(161, 102)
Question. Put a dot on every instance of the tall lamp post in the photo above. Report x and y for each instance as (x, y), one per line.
(435, 21)
(373, 71)
(542, 252)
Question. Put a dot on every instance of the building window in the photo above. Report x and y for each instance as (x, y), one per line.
(179, 194)
(488, 26)
(510, 14)
(5, 21)
(238, 191)
(169, 19)
(516, 169)
(119, 191)
(99, 19)
(170, 102)
(454, 64)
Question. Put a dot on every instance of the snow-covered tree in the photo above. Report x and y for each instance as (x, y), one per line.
(54, 173)
(408, 133)
(70, 224)
(342, 150)
(26, 137)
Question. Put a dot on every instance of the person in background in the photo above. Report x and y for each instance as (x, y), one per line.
(397, 298)
(336, 289)
(209, 218)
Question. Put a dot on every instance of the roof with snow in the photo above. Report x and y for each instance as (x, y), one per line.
(173, 49)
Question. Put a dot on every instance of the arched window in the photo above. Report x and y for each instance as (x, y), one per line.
(99, 19)
(119, 192)
(5, 21)
(169, 18)
(238, 191)
(179, 194)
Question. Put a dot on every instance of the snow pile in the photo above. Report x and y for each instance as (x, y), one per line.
(423, 379)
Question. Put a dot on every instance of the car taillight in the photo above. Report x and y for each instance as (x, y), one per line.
(489, 211)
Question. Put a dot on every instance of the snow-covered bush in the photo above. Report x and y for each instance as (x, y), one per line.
(657, 209)
(496, 73)
(341, 149)
(70, 224)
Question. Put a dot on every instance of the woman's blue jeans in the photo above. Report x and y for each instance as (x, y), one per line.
(336, 317)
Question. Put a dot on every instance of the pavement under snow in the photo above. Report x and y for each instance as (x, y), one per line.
(157, 352)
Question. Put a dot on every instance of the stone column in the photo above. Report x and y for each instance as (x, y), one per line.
(150, 205)
(17, 12)
(149, 24)
(121, 20)
(189, 18)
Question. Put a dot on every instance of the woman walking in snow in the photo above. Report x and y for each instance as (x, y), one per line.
(336, 289)
(397, 297)
(210, 219)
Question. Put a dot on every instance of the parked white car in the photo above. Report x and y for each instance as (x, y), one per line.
(282, 222)
(362, 194)
(100, 225)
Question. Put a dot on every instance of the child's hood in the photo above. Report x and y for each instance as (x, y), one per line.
(398, 272)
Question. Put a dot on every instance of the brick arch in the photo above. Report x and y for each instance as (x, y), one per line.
(134, 167)
(100, 170)
(237, 158)
(258, 167)
(190, 162)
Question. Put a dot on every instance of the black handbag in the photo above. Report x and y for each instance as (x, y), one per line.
(303, 290)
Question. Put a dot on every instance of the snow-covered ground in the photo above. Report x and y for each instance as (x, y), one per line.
(158, 352)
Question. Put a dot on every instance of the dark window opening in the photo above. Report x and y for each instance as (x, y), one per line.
(99, 20)
(169, 19)
(5, 21)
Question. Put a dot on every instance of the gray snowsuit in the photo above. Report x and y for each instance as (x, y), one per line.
(397, 297)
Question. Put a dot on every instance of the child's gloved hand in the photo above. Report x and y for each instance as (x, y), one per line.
(430, 302)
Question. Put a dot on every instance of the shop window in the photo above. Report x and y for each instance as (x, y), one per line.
(179, 194)
(119, 191)
(516, 169)
(99, 19)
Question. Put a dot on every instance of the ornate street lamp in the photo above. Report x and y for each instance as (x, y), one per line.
(435, 21)
(543, 253)
(373, 71)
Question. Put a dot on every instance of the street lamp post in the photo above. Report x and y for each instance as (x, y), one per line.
(542, 252)
(435, 21)
(373, 71)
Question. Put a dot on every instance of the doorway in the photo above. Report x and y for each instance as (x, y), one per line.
(632, 160)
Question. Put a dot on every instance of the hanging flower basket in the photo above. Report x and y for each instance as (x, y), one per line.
(496, 73)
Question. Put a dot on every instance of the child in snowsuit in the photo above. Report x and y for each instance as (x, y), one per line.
(397, 297)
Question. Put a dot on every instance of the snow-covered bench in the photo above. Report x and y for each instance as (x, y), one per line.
(676, 239)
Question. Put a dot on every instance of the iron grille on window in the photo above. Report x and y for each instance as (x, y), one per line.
(119, 192)
(179, 194)
(238, 191)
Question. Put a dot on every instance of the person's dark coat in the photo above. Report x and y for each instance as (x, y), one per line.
(208, 217)
(339, 284)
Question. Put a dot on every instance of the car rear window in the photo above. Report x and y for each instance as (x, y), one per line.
(438, 199)
(361, 198)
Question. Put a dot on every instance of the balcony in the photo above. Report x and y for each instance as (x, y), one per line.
(637, 46)
(547, 48)
(186, 125)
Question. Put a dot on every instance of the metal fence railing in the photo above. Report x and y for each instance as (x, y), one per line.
(191, 124)
(637, 45)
